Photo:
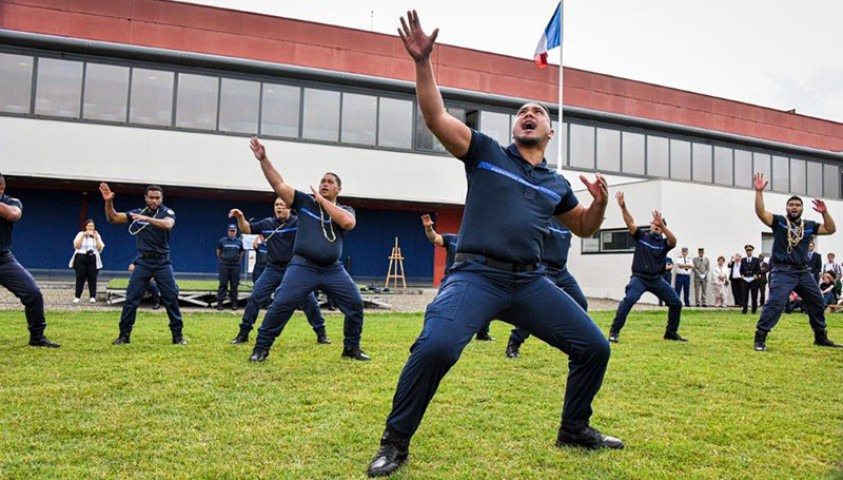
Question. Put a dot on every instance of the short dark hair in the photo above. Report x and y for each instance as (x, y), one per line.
(153, 188)
(339, 181)
(795, 197)
(85, 224)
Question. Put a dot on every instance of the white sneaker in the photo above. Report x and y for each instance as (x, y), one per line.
(76, 300)
(93, 300)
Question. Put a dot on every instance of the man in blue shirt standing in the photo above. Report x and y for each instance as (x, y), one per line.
(648, 262)
(229, 255)
(555, 260)
(151, 226)
(14, 277)
(789, 260)
(322, 225)
(497, 271)
(279, 235)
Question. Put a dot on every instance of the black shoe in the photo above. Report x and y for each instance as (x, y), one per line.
(760, 341)
(393, 452)
(234, 306)
(613, 337)
(484, 337)
(743, 311)
(42, 341)
(121, 340)
(588, 438)
(674, 337)
(219, 306)
(323, 340)
(754, 310)
(820, 340)
(156, 306)
(258, 355)
(355, 353)
(240, 338)
(179, 340)
(512, 349)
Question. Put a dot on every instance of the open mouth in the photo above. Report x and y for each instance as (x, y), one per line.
(529, 125)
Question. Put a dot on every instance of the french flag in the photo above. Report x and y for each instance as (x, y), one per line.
(551, 38)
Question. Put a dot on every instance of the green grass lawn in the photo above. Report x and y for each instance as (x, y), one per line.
(709, 409)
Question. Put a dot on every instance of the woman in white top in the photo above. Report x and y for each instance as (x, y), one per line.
(86, 259)
(721, 279)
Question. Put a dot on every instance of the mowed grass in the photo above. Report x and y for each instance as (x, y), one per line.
(709, 409)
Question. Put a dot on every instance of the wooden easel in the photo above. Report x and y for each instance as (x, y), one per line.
(396, 264)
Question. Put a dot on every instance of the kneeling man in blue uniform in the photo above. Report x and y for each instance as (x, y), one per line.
(497, 273)
(789, 271)
(648, 264)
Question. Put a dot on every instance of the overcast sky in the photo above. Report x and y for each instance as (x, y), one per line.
(775, 53)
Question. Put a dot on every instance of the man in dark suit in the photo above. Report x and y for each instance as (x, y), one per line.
(815, 262)
(750, 269)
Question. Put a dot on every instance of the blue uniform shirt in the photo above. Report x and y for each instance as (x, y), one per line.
(509, 202)
(230, 249)
(650, 254)
(799, 254)
(6, 226)
(278, 238)
(148, 238)
(313, 228)
(556, 246)
(449, 243)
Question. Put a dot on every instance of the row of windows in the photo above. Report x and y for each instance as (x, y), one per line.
(135, 95)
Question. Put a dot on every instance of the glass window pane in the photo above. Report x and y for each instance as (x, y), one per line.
(424, 137)
(781, 174)
(702, 162)
(743, 169)
(59, 90)
(152, 97)
(552, 151)
(831, 182)
(761, 164)
(239, 100)
(16, 79)
(395, 124)
(359, 118)
(321, 115)
(196, 106)
(680, 159)
(633, 153)
(582, 146)
(608, 150)
(797, 176)
(815, 179)
(496, 125)
(723, 166)
(106, 93)
(280, 110)
(658, 151)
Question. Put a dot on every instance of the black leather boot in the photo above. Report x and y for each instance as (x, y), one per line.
(760, 341)
(393, 452)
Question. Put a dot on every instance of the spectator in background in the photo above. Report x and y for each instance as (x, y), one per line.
(750, 269)
(735, 279)
(815, 262)
(86, 260)
(683, 268)
(702, 267)
(827, 288)
(762, 280)
(832, 266)
(720, 275)
(229, 254)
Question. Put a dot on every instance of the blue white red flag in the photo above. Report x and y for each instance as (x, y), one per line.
(551, 37)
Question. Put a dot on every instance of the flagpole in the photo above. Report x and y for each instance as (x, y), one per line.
(562, 133)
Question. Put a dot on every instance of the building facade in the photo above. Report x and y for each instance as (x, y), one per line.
(138, 92)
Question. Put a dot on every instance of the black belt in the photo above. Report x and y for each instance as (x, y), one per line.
(279, 264)
(152, 255)
(496, 264)
(552, 265)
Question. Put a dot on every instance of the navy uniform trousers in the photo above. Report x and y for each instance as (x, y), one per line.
(657, 286)
(301, 278)
(147, 269)
(229, 276)
(564, 280)
(472, 295)
(268, 282)
(783, 280)
(17, 280)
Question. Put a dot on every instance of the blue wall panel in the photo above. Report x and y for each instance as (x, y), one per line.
(43, 238)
